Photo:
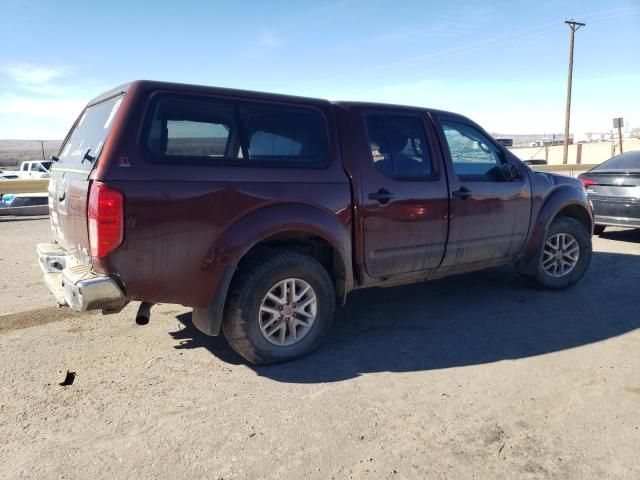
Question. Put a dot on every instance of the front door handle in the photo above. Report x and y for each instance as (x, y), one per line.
(463, 193)
(383, 196)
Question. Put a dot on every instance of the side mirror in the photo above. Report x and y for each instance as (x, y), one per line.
(510, 172)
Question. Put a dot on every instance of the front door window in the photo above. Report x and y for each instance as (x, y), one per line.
(472, 153)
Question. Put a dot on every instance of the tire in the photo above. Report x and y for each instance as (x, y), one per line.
(571, 228)
(599, 229)
(244, 314)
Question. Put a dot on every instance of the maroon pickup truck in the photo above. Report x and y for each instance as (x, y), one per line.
(263, 211)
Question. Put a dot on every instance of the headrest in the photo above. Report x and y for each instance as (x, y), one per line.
(398, 142)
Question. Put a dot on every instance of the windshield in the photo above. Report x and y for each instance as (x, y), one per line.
(46, 164)
(87, 138)
(623, 162)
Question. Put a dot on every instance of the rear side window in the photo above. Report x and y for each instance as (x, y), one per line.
(398, 145)
(192, 128)
(195, 130)
(88, 136)
(284, 135)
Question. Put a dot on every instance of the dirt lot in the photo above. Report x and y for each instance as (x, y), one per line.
(476, 376)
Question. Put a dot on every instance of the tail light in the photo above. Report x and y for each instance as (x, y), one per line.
(106, 219)
(587, 182)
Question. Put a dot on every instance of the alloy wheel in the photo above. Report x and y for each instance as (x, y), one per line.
(560, 255)
(288, 312)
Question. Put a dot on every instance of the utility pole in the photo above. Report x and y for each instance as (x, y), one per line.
(620, 137)
(619, 123)
(573, 25)
(41, 146)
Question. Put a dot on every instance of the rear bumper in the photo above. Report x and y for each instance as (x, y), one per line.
(617, 221)
(75, 284)
(616, 211)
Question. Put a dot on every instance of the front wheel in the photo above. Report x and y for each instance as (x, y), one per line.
(279, 307)
(565, 255)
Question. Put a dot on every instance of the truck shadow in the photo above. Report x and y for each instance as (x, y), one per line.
(470, 319)
(626, 235)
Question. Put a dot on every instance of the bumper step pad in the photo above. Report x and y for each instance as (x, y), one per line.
(77, 285)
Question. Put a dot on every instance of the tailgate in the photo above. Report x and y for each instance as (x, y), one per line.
(69, 184)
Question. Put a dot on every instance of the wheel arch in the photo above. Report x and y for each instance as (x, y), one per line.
(578, 212)
(566, 201)
(308, 229)
(309, 243)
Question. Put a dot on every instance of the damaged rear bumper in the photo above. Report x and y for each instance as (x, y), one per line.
(75, 284)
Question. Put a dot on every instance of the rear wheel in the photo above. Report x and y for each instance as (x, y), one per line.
(599, 229)
(279, 308)
(565, 255)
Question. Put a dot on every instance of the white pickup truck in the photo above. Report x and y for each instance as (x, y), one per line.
(30, 169)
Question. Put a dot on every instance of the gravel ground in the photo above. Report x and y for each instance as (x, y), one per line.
(20, 277)
(476, 376)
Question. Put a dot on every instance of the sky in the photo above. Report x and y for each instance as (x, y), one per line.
(502, 63)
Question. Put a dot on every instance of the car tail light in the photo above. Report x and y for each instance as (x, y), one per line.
(587, 182)
(106, 219)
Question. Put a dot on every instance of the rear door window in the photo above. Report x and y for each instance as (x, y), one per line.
(85, 143)
(398, 145)
(203, 130)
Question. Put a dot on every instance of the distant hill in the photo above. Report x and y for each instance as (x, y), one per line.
(12, 152)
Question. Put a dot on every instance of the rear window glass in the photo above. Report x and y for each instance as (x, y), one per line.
(193, 130)
(286, 135)
(398, 145)
(87, 138)
(625, 161)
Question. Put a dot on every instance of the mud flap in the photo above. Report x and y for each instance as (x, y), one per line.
(209, 320)
(529, 265)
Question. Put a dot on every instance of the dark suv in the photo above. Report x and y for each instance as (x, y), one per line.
(263, 211)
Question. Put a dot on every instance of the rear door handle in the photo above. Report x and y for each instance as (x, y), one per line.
(383, 196)
(61, 187)
(463, 193)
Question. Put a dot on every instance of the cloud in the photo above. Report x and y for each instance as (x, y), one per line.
(464, 48)
(32, 74)
(415, 34)
(269, 39)
(439, 29)
(34, 92)
(38, 80)
(266, 43)
(39, 101)
(30, 107)
(23, 116)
